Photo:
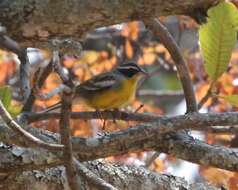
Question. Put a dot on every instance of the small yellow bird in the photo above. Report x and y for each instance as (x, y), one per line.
(111, 90)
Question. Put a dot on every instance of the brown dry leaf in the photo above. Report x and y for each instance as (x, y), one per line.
(158, 165)
(149, 58)
(235, 2)
(226, 86)
(223, 137)
(131, 30)
(129, 49)
(216, 176)
(162, 50)
(88, 57)
(233, 182)
(69, 62)
(81, 128)
(104, 55)
(149, 49)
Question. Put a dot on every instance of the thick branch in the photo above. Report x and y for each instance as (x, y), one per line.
(129, 178)
(156, 137)
(196, 121)
(29, 21)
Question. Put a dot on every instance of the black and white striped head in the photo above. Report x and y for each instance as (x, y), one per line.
(130, 69)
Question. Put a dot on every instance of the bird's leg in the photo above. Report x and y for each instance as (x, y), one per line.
(117, 114)
(99, 115)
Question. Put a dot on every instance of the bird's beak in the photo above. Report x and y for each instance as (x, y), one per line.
(144, 72)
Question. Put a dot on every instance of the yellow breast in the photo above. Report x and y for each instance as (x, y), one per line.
(115, 98)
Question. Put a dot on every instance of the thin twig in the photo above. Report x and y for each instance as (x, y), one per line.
(9, 44)
(65, 140)
(207, 95)
(204, 99)
(41, 79)
(24, 74)
(196, 121)
(152, 158)
(159, 93)
(165, 37)
(109, 115)
(65, 134)
(28, 137)
(58, 68)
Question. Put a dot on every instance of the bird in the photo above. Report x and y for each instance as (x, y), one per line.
(110, 90)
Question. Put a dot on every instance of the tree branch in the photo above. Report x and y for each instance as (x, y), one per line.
(29, 138)
(155, 136)
(165, 37)
(65, 135)
(39, 83)
(159, 94)
(131, 177)
(36, 22)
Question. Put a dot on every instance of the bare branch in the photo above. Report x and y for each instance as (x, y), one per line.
(196, 121)
(27, 136)
(209, 93)
(39, 83)
(155, 137)
(159, 94)
(151, 159)
(65, 135)
(165, 37)
(92, 177)
(9, 44)
(24, 75)
(109, 115)
(14, 157)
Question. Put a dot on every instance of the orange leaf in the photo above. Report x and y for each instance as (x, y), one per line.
(149, 58)
(129, 49)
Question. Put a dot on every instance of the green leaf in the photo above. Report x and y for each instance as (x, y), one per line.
(6, 96)
(14, 110)
(232, 99)
(218, 38)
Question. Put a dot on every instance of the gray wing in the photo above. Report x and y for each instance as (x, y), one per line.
(99, 83)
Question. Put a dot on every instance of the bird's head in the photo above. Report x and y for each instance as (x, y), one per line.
(131, 70)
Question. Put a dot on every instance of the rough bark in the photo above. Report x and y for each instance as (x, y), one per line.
(32, 21)
(160, 137)
(120, 176)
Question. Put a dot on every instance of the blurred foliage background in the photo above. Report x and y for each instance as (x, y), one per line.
(160, 93)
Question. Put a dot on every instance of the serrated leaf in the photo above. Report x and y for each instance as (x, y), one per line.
(232, 99)
(218, 38)
(6, 96)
